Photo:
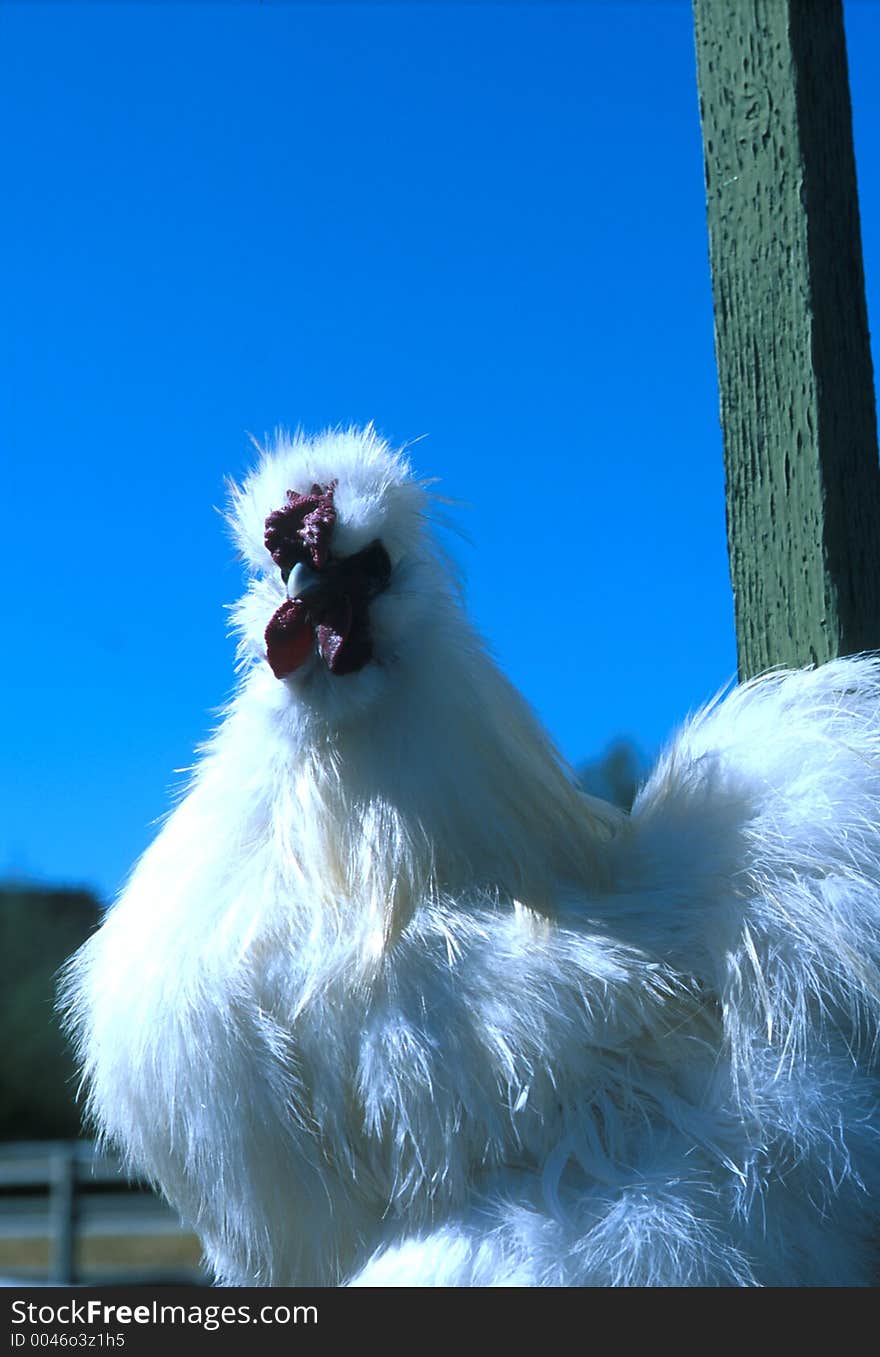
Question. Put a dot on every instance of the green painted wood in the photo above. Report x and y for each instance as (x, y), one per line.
(791, 331)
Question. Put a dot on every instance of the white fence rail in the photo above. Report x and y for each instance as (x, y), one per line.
(63, 1200)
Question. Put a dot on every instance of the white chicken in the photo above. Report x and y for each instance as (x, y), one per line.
(389, 1002)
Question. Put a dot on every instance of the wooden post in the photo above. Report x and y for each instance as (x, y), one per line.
(62, 1214)
(791, 330)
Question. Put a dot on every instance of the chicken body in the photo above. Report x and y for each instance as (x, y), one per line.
(389, 1002)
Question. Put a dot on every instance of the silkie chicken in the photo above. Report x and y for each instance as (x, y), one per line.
(390, 1002)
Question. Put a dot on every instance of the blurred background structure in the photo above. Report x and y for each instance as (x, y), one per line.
(66, 1211)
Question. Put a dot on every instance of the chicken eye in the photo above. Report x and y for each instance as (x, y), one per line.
(373, 564)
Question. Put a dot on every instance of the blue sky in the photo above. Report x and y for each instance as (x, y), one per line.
(483, 224)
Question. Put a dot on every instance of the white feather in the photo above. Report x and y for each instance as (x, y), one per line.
(389, 1002)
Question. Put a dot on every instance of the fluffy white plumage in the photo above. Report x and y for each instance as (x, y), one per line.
(389, 1002)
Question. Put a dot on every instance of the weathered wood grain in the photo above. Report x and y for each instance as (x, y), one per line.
(791, 331)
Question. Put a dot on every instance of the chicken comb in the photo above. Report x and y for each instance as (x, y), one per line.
(299, 533)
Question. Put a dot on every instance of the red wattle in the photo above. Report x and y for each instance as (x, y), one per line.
(290, 638)
(333, 631)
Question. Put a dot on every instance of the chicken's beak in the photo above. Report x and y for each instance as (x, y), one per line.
(328, 610)
(302, 581)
